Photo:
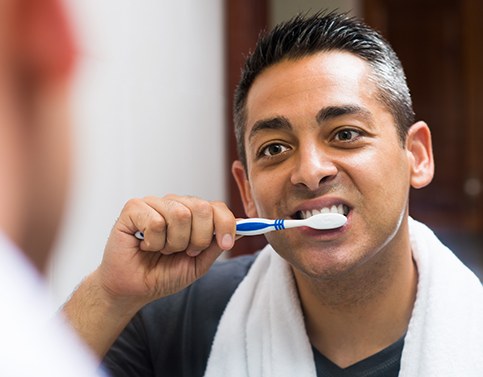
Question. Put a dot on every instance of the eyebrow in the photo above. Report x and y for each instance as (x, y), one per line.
(324, 114)
(332, 112)
(276, 123)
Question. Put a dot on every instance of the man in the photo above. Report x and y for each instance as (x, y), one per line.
(324, 123)
(36, 57)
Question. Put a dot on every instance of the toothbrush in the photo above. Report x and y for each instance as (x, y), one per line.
(254, 226)
(321, 221)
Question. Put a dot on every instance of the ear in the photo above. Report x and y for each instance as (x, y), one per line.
(420, 153)
(241, 178)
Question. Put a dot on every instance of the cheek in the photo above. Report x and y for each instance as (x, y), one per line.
(393, 176)
(382, 181)
(267, 191)
(383, 171)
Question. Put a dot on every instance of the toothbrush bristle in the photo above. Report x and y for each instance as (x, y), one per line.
(327, 221)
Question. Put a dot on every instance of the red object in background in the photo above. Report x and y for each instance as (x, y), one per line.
(43, 41)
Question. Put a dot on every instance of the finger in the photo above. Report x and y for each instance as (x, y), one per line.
(138, 215)
(154, 232)
(201, 224)
(225, 225)
(201, 227)
(178, 222)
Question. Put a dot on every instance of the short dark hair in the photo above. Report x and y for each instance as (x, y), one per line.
(303, 36)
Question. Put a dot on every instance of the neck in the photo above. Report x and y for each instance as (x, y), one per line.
(355, 316)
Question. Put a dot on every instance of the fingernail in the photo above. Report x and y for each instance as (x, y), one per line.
(193, 253)
(227, 242)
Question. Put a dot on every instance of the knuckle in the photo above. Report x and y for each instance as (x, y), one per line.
(219, 204)
(131, 204)
(181, 213)
(157, 225)
(203, 209)
(150, 198)
(222, 209)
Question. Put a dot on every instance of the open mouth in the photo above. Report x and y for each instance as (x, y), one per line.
(341, 209)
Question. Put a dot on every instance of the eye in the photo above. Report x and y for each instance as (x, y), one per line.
(347, 135)
(272, 150)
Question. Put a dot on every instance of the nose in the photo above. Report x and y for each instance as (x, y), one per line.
(313, 167)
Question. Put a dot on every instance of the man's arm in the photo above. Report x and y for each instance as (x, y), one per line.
(178, 248)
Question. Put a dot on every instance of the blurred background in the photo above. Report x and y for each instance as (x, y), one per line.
(152, 95)
(148, 109)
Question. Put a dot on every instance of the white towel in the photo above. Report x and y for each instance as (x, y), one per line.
(262, 331)
(445, 333)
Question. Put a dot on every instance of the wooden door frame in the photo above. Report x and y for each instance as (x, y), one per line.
(244, 20)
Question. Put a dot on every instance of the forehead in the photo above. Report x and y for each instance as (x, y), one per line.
(295, 87)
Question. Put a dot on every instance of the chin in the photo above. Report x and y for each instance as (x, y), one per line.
(320, 265)
(325, 271)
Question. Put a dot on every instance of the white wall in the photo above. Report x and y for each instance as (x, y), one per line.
(148, 117)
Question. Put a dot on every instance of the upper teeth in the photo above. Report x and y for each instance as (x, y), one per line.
(341, 209)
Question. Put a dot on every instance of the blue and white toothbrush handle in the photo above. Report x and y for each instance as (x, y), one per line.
(321, 221)
(254, 226)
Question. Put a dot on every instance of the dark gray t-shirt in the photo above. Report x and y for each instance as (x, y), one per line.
(173, 336)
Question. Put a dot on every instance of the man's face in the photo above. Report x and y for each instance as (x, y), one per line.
(317, 137)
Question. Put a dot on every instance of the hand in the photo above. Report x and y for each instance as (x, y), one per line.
(179, 246)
